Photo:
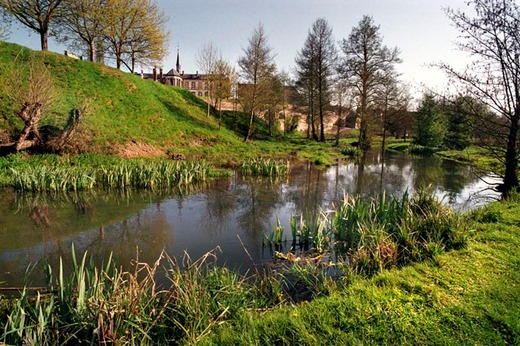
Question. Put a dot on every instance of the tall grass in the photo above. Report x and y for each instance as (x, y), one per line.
(264, 167)
(131, 174)
(107, 305)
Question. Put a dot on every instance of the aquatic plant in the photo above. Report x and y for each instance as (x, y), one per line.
(277, 236)
(382, 232)
(264, 167)
(351, 151)
(133, 174)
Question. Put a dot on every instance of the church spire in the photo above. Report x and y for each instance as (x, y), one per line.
(178, 65)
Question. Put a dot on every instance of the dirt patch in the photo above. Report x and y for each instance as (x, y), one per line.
(137, 149)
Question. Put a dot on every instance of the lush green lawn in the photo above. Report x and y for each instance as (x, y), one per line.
(465, 297)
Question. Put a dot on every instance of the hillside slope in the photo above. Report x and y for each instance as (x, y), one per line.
(126, 111)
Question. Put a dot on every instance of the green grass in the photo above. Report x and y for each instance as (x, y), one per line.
(124, 108)
(474, 155)
(464, 297)
(128, 113)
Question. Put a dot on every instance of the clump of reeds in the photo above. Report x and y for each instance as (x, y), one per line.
(136, 174)
(351, 151)
(382, 232)
(53, 179)
(108, 305)
(264, 167)
(277, 237)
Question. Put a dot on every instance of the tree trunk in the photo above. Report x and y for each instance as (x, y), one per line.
(364, 135)
(44, 40)
(338, 125)
(322, 124)
(92, 51)
(250, 126)
(31, 115)
(252, 115)
(309, 119)
(313, 127)
(511, 165)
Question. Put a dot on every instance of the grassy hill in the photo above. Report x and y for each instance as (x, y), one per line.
(125, 109)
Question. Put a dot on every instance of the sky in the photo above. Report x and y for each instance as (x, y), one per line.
(419, 28)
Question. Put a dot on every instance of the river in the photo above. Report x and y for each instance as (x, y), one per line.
(232, 214)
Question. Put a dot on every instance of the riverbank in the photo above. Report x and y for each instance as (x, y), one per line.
(463, 297)
(473, 155)
(467, 296)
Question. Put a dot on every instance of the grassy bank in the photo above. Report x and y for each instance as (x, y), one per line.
(466, 296)
(473, 155)
(463, 297)
(131, 117)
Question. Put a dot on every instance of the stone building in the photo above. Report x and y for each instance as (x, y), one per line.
(195, 83)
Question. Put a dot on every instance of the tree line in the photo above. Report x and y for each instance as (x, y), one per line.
(132, 32)
(358, 78)
(358, 75)
(355, 76)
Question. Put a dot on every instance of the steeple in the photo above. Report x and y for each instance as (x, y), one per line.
(178, 65)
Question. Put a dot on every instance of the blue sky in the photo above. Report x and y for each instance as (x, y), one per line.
(419, 28)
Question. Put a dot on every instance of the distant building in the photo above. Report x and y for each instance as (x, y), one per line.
(195, 83)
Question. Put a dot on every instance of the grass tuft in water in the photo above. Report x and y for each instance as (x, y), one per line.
(131, 174)
(264, 167)
(382, 232)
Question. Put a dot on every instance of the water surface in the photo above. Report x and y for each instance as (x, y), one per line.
(232, 213)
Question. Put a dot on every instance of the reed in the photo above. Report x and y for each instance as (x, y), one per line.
(108, 305)
(382, 232)
(277, 237)
(352, 152)
(264, 167)
(134, 174)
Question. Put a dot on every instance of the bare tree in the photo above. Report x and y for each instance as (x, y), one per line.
(343, 100)
(207, 58)
(315, 70)
(134, 31)
(37, 15)
(305, 82)
(147, 43)
(4, 25)
(257, 67)
(492, 38)
(392, 102)
(224, 79)
(31, 95)
(367, 64)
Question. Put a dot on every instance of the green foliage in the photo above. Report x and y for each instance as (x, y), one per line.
(351, 151)
(107, 305)
(459, 125)
(431, 123)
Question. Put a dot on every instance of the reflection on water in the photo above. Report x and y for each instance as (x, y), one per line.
(231, 213)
